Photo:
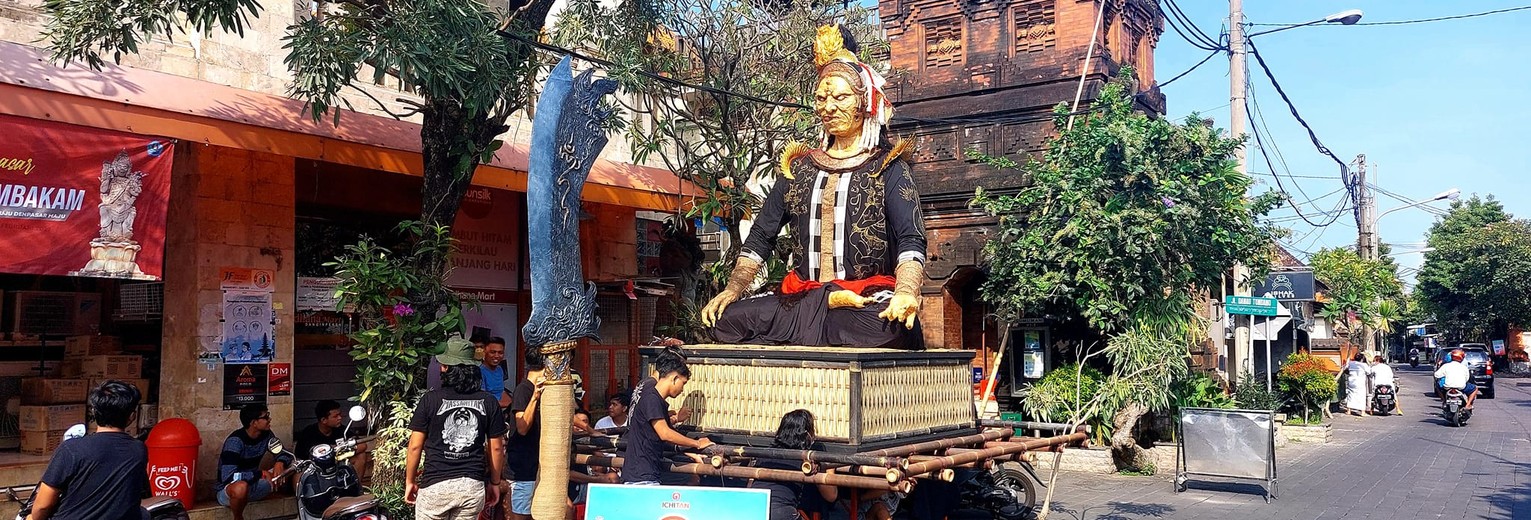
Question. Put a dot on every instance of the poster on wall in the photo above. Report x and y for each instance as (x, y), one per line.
(78, 201)
(488, 234)
(243, 385)
(279, 379)
(317, 293)
(249, 321)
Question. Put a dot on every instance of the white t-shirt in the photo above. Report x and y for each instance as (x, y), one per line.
(1382, 374)
(1456, 374)
(606, 422)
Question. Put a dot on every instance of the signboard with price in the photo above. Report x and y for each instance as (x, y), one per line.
(279, 382)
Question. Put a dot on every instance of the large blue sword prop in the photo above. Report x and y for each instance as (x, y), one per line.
(568, 132)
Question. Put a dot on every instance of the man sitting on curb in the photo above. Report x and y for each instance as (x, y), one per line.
(246, 456)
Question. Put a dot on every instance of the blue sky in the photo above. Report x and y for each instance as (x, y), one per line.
(1433, 105)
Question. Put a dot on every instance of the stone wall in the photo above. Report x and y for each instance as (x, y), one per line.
(228, 208)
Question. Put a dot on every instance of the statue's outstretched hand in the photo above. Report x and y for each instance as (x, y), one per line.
(904, 308)
(714, 308)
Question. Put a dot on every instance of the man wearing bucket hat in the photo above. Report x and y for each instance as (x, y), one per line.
(458, 430)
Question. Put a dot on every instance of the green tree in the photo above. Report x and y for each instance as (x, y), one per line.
(1128, 216)
(1474, 281)
(717, 140)
(1363, 294)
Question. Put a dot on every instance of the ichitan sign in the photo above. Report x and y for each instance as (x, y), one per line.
(78, 201)
(1287, 286)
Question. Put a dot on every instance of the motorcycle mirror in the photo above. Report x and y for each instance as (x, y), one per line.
(74, 432)
(358, 413)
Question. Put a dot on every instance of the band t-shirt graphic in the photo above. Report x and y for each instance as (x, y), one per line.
(456, 426)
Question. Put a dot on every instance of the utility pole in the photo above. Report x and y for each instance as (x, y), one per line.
(1243, 348)
(1366, 236)
(1366, 213)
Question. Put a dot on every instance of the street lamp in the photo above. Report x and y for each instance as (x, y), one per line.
(1451, 194)
(1347, 17)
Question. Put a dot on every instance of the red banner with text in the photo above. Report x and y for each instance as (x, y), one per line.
(78, 201)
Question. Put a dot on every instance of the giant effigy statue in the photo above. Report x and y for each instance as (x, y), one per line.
(857, 241)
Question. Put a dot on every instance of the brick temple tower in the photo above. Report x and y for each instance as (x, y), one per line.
(984, 75)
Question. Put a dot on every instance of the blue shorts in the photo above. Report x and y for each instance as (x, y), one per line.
(521, 496)
(260, 488)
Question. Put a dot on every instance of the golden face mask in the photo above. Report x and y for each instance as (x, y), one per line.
(838, 102)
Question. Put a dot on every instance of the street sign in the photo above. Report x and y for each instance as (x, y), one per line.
(1251, 305)
(618, 502)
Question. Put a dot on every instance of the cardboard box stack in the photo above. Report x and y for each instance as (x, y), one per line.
(50, 405)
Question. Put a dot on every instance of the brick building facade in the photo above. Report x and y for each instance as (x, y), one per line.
(984, 76)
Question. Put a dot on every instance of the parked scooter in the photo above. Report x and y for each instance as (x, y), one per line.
(328, 488)
(1454, 408)
(1383, 400)
(159, 508)
(1007, 492)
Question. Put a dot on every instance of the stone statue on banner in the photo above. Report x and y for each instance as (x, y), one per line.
(114, 253)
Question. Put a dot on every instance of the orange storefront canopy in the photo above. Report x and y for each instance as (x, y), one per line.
(154, 103)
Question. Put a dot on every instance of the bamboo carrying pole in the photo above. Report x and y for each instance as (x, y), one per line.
(987, 453)
(941, 444)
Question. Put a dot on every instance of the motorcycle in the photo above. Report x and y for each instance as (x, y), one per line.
(1006, 492)
(1383, 400)
(1414, 359)
(1454, 407)
(158, 507)
(328, 488)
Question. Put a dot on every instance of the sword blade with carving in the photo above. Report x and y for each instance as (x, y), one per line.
(568, 133)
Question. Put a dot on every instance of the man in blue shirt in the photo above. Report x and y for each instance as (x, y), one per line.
(101, 476)
(494, 371)
(245, 457)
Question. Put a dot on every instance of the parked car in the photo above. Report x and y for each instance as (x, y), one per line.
(1476, 356)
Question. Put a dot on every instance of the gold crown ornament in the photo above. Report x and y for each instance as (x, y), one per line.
(829, 45)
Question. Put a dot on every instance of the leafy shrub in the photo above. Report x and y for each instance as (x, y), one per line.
(1255, 396)
(1063, 393)
(1066, 393)
(1199, 390)
(1306, 380)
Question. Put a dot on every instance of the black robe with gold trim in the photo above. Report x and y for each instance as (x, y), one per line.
(882, 226)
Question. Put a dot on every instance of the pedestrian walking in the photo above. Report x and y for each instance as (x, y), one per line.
(457, 430)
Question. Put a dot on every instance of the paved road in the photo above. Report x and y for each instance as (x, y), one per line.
(1401, 467)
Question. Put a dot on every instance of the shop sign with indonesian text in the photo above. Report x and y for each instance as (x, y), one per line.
(78, 201)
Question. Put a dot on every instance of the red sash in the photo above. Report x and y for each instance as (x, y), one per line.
(792, 284)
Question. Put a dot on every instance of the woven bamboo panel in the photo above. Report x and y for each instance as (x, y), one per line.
(752, 399)
(902, 399)
(856, 395)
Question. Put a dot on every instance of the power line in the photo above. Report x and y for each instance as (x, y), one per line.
(1344, 168)
(1188, 30)
(1255, 130)
(1422, 20)
(1188, 71)
(1294, 176)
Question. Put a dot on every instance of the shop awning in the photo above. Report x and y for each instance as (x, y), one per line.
(154, 103)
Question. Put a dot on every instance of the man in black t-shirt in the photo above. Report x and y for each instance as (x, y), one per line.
(101, 476)
(648, 429)
(325, 431)
(454, 428)
(521, 451)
